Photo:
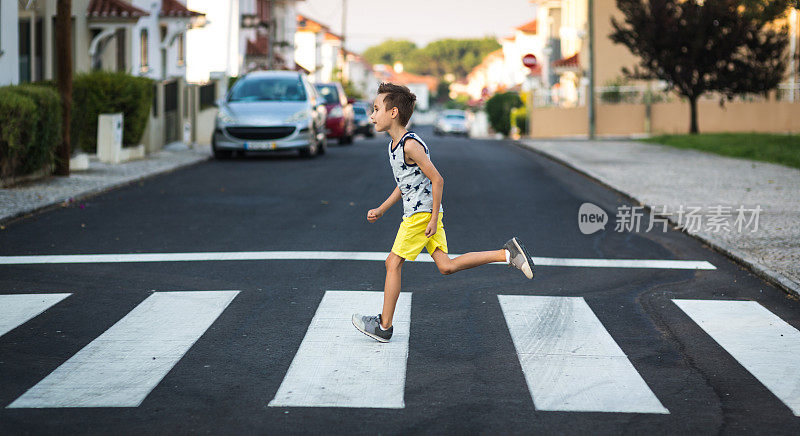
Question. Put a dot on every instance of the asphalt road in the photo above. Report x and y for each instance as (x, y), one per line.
(463, 373)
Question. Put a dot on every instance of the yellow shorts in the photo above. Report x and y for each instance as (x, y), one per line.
(411, 238)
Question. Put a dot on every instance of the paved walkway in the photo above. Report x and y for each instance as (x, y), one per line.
(28, 197)
(664, 177)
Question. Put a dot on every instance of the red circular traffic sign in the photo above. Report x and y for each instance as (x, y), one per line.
(530, 61)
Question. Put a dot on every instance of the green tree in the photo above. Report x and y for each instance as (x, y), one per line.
(457, 56)
(389, 52)
(725, 46)
(498, 109)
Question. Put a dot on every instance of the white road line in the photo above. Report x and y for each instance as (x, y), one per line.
(338, 366)
(122, 366)
(331, 255)
(759, 340)
(570, 361)
(16, 309)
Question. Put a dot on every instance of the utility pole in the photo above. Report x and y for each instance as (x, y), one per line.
(344, 32)
(591, 69)
(64, 80)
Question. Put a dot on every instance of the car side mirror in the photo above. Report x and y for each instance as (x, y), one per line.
(219, 102)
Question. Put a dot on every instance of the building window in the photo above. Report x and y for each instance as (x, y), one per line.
(143, 49)
(181, 49)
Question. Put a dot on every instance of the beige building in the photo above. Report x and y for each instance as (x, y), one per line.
(562, 110)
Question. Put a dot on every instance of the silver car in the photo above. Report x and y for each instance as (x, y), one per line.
(452, 121)
(270, 110)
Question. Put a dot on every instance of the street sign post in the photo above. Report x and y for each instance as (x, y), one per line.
(530, 61)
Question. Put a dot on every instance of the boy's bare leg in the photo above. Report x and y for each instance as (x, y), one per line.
(466, 261)
(391, 288)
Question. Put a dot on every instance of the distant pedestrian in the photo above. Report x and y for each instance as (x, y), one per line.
(419, 187)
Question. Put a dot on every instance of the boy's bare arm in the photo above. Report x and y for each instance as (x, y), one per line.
(374, 214)
(416, 154)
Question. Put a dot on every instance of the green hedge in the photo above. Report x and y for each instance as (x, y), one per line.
(30, 129)
(519, 118)
(498, 109)
(104, 92)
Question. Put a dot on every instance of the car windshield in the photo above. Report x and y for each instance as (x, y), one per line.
(360, 111)
(268, 89)
(459, 117)
(329, 93)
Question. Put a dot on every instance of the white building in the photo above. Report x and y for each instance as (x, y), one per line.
(214, 48)
(267, 36)
(359, 73)
(526, 39)
(9, 44)
(318, 50)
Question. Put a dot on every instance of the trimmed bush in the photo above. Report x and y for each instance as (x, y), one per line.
(105, 92)
(30, 128)
(519, 118)
(498, 109)
(46, 136)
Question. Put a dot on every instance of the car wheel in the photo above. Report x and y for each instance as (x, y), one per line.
(309, 151)
(322, 146)
(221, 154)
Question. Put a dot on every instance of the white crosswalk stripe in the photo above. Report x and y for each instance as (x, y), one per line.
(570, 361)
(16, 309)
(759, 340)
(122, 366)
(337, 366)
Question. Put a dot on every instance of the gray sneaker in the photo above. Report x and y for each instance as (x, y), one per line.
(371, 326)
(520, 258)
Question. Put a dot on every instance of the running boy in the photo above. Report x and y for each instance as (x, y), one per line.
(419, 187)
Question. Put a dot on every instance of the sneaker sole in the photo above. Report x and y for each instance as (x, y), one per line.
(528, 267)
(377, 338)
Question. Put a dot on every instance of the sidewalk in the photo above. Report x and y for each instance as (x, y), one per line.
(29, 197)
(658, 176)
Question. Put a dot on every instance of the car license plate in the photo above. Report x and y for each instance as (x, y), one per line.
(260, 145)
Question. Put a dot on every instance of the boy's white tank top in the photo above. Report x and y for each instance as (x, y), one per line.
(415, 187)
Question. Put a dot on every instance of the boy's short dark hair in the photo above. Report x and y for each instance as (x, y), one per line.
(400, 97)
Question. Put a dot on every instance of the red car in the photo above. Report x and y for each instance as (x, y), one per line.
(341, 120)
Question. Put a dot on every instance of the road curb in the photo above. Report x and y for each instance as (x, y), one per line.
(91, 192)
(766, 273)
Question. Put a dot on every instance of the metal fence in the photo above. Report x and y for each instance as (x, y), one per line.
(643, 94)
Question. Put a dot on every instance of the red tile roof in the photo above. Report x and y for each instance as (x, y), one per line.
(114, 9)
(571, 61)
(405, 78)
(330, 36)
(529, 27)
(305, 24)
(174, 8)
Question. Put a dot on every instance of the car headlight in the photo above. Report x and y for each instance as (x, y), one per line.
(224, 117)
(336, 112)
(297, 117)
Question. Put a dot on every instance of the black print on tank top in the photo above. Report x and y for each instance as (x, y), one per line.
(419, 203)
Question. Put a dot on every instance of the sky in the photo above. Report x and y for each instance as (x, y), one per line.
(370, 22)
